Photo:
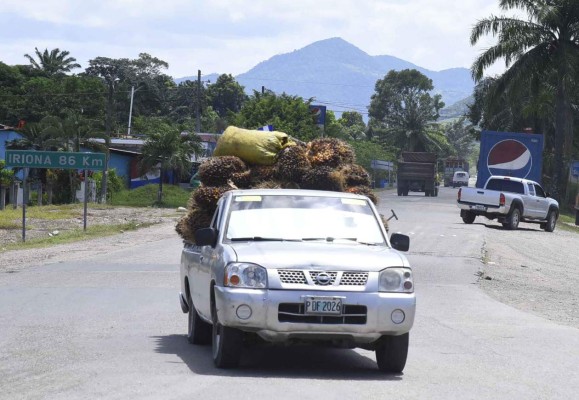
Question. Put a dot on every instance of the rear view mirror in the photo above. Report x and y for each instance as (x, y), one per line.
(205, 237)
(400, 242)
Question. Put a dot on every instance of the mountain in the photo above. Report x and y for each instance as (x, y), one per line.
(341, 76)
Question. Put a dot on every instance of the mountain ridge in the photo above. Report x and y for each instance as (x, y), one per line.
(342, 76)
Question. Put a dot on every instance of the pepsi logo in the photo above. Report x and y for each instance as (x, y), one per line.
(510, 158)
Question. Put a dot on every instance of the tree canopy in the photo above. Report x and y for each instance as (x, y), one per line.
(542, 56)
(402, 111)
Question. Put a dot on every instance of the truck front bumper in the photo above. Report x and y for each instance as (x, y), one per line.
(278, 315)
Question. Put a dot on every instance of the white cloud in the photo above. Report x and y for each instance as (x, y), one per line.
(231, 36)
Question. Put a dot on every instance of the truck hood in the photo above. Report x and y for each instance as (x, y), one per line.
(321, 255)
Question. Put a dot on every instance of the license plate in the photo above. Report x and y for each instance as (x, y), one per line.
(479, 207)
(323, 305)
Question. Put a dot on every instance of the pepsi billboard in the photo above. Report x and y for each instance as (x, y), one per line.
(510, 154)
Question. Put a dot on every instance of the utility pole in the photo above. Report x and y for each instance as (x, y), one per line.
(131, 110)
(262, 89)
(198, 105)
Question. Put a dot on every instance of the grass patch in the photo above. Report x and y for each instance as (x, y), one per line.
(75, 235)
(567, 222)
(12, 219)
(146, 196)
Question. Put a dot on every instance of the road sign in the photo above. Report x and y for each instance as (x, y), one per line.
(55, 160)
(384, 165)
(575, 168)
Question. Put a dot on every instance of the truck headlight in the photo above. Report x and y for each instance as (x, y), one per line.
(396, 280)
(245, 275)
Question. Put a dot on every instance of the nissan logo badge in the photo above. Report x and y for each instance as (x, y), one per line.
(323, 279)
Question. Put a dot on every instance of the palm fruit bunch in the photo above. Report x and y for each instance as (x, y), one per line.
(322, 164)
(261, 173)
(330, 152)
(206, 197)
(292, 163)
(217, 171)
(195, 219)
(323, 178)
(356, 175)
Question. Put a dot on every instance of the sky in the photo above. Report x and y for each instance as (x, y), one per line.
(232, 36)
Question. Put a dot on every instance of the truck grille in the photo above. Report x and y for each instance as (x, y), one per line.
(344, 279)
(294, 313)
(314, 275)
(288, 276)
(354, 278)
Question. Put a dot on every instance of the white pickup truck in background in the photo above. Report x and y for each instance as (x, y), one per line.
(509, 200)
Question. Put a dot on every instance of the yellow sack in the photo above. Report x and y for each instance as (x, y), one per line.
(252, 146)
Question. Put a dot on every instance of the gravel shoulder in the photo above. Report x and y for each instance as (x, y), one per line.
(533, 271)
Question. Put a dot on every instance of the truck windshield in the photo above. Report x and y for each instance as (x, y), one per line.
(504, 185)
(303, 218)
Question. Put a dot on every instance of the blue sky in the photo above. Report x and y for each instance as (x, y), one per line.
(232, 36)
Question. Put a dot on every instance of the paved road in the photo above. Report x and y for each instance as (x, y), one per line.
(111, 327)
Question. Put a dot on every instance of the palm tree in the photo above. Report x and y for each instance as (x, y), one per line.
(52, 63)
(546, 44)
(171, 149)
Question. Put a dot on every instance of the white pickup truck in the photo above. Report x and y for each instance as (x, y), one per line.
(509, 200)
(293, 266)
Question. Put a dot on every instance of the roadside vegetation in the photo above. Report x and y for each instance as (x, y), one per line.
(147, 196)
(74, 235)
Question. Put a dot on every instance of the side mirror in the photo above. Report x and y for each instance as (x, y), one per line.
(547, 194)
(400, 242)
(206, 237)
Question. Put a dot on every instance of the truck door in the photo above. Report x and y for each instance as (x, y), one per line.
(529, 202)
(542, 203)
(202, 281)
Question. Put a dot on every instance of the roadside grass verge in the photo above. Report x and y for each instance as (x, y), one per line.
(12, 218)
(567, 222)
(75, 235)
(146, 196)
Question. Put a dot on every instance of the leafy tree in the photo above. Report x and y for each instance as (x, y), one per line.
(6, 179)
(460, 137)
(354, 125)
(55, 62)
(167, 146)
(402, 111)
(545, 43)
(289, 114)
(226, 95)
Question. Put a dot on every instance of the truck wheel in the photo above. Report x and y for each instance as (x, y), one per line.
(427, 193)
(199, 331)
(513, 219)
(399, 190)
(392, 353)
(468, 217)
(551, 221)
(227, 343)
(405, 192)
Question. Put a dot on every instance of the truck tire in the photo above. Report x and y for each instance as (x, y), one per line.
(199, 331)
(405, 192)
(399, 190)
(391, 354)
(551, 221)
(427, 193)
(513, 219)
(468, 217)
(226, 343)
